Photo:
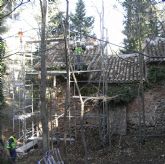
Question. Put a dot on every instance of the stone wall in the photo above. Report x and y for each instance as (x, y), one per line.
(117, 117)
(154, 101)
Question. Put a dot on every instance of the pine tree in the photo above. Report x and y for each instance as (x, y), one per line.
(56, 24)
(140, 23)
(81, 25)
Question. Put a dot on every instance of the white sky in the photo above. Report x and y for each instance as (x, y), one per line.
(113, 18)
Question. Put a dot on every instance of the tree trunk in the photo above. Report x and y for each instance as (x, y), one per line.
(67, 58)
(82, 117)
(1, 87)
(0, 123)
(44, 111)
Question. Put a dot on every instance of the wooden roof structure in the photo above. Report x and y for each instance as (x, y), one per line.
(55, 56)
(118, 69)
(154, 50)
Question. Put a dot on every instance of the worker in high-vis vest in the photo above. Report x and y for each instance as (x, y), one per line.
(11, 146)
(79, 49)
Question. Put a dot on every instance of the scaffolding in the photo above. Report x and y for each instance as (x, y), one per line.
(79, 105)
(22, 92)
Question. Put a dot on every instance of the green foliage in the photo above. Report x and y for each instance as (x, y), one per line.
(130, 46)
(54, 68)
(126, 92)
(2, 68)
(80, 23)
(89, 90)
(2, 65)
(56, 24)
(2, 48)
(156, 74)
(140, 23)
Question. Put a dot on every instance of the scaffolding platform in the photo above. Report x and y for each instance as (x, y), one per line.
(62, 72)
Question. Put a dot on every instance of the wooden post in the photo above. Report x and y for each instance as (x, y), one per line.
(142, 126)
(141, 85)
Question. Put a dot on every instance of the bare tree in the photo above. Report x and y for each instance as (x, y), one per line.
(6, 3)
(44, 111)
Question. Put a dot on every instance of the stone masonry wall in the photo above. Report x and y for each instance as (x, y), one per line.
(118, 122)
(154, 101)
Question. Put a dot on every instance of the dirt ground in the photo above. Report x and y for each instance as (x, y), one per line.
(124, 150)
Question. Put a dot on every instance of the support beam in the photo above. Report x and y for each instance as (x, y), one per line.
(24, 148)
(54, 139)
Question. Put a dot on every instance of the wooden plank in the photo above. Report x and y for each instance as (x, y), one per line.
(97, 98)
(54, 139)
(63, 72)
(27, 146)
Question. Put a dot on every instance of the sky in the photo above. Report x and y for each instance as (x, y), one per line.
(113, 18)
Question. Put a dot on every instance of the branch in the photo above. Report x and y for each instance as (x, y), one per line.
(14, 9)
(2, 6)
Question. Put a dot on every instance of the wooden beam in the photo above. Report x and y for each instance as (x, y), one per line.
(52, 138)
(27, 146)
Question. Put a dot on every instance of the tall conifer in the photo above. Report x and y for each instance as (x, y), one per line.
(81, 24)
(140, 23)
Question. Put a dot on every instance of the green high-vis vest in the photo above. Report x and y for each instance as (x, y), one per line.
(13, 144)
(78, 50)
